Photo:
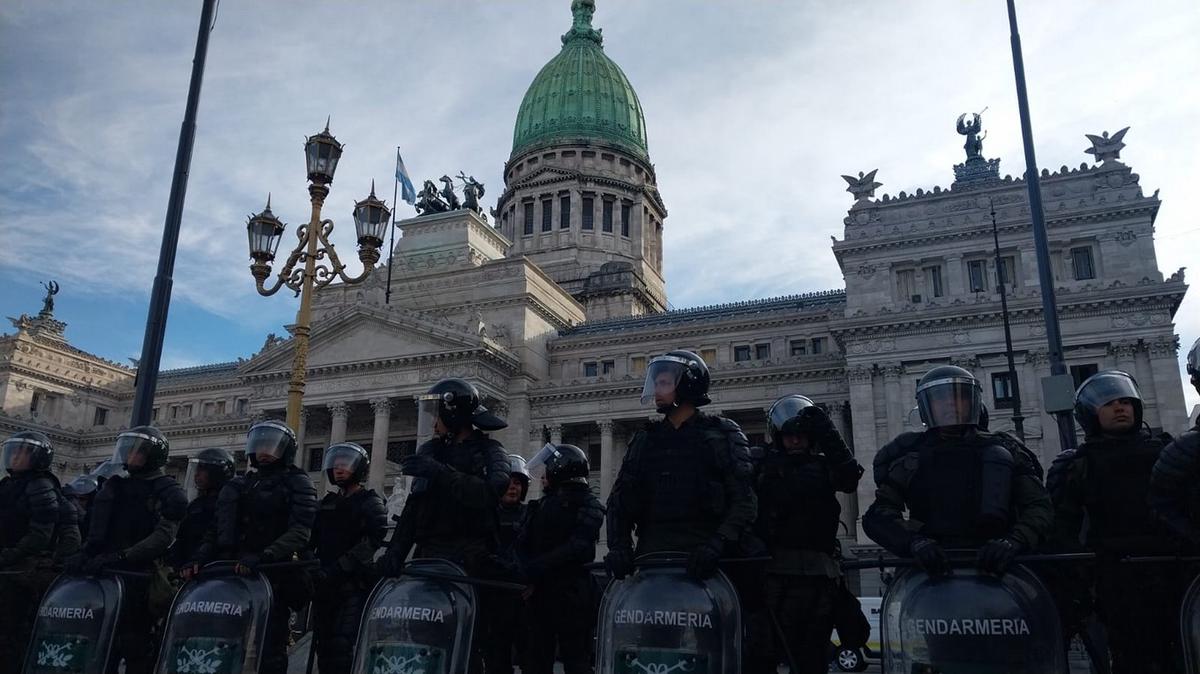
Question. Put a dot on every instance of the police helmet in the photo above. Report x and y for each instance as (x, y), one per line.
(347, 455)
(458, 404)
(83, 486)
(218, 463)
(141, 449)
(560, 463)
(1193, 363)
(27, 450)
(949, 395)
(680, 371)
(518, 467)
(270, 438)
(784, 417)
(1100, 389)
(107, 469)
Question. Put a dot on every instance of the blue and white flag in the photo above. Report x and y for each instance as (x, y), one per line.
(407, 191)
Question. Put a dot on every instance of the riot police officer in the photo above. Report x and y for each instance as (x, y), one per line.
(134, 520)
(30, 512)
(81, 492)
(962, 486)
(798, 516)
(557, 539)
(214, 467)
(1106, 482)
(267, 516)
(351, 525)
(506, 627)
(1175, 482)
(459, 476)
(684, 483)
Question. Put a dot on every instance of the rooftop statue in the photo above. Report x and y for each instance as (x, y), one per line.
(1105, 147)
(974, 144)
(428, 200)
(448, 194)
(472, 191)
(48, 300)
(581, 24)
(863, 187)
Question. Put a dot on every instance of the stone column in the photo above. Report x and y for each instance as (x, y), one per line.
(895, 405)
(862, 401)
(301, 457)
(379, 444)
(1164, 372)
(607, 458)
(338, 412)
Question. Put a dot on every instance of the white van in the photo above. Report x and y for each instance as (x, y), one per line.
(853, 659)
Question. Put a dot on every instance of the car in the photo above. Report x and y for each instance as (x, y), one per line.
(855, 659)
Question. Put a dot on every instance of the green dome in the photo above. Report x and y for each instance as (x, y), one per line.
(581, 95)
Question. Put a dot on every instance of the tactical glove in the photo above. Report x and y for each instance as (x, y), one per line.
(995, 555)
(619, 563)
(702, 563)
(247, 565)
(816, 424)
(422, 465)
(929, 556)
(103, 561)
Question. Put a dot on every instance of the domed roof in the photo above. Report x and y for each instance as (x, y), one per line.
(581, 95)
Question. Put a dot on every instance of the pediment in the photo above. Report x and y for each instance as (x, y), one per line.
(544, 175)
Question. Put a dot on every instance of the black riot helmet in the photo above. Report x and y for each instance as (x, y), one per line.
(83, 487)
(270, 438)
(106, 470)
(784, 417)
(217, 463)
(949, 396)
(1100, 389)
(26, 451)
(560, 463)
(350, 456)
(683, 372)
(1193, 363)
(458, 404)
(518, 469)
(141, 449)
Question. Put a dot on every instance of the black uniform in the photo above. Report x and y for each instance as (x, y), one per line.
(201, 517)
(133, 522)
(1105, 482)
(30, 525)
(267, 516)
(349, 530)
(507, 625)
(1175, 486)
(558, 537)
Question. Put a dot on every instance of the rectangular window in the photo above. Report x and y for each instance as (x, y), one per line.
(1008, 267)
(607, 366)
(906, 286)
(625, 210)
(220, 407)
(709, 356)
(589, 214)
(818, 345)
(174, 412)
(933, 276)
(637, 365)
(547, 215)
(154, 414)
(606, 216)
(316, 456)
(741, 354)
(1002, 389)
(35, 402)
(762, 351)
(1080, 373)
(243, 405)
(528, 218)
(187, 411)
(799, 347)
(976, 276)
(589, 369)
(564, 212)
(101, 417)
(1081, 260)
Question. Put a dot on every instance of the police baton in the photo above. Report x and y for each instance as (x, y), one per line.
(900, 562)
(225, 566)
(681, 561)
(478, 582)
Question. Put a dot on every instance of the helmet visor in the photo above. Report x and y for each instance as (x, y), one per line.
(786, 410)
(662, 377)
(134, 450)
(1193, 358)
(518, 466)
(108, 469)
(344, 457)
(537, 465)
(84, 485)
(18, 454)
(427, 414)
(950, 402)
(1105, 387)
(267, 440)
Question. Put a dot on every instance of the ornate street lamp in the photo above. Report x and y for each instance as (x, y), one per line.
(318, 257)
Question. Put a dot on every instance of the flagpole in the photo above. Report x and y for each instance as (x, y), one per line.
(387, 293)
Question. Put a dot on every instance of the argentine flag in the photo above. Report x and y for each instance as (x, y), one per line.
(407, 191)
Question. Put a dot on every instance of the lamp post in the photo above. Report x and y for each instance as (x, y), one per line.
(319, 260)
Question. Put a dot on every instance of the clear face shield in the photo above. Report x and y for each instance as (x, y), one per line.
(343, 461)
(953, 401)
(18, 454)
(1105, 387)
(536, 467)
(662, 380)
(267, 444)
(133, 450)
(427, 415)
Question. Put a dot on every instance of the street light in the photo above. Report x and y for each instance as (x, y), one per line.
(264, 231)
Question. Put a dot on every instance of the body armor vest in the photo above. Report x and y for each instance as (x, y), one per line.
(124, 512)
(201, 515)
(341, 524)
(1118, 472)
(961, 489)
(441, 515)
(23, 500)
(678, 479)
(510, 523)
(552, 519)
(263, 509)
(797, 503)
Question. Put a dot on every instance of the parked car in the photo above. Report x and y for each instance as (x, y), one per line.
(855, 659)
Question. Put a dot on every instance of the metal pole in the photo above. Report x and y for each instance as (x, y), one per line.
(317, 192)
(160, 295)
(387, 292)
(1017, 418)
(1066, 427)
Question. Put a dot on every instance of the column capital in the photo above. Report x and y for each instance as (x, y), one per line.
(382, 406)
(1123, 349)
(891, 371)
(1164, 347)
(1037, 357)
(339, 409)
(605, 425)
(859, 374)
(555, 428)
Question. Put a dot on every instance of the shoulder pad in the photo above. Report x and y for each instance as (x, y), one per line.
(899, 446)
(1027, 462)
(1056, 477)
(299, 480)
(172, 499)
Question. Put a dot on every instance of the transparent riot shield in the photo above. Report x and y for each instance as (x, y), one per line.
(217, 625)
(1189, 625)
(414, 625)
(660, 620)
(969, 623)
(76, 623)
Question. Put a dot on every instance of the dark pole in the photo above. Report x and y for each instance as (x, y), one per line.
(1066, 427)
(387, 292)
(1017, 418)
(160, 296)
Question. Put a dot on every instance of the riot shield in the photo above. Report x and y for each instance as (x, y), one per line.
(415, 625)
(75, 626)
(1189, 625)
(660, 620)
(970, 623)
(217, 625)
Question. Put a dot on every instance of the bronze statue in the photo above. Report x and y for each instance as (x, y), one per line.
(448, 194)
(1105, 148)
(472, 191)
(428, 200)
(48, 301)
(862, 187)
(974, 144)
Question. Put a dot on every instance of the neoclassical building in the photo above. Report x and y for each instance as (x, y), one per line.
(554, 306)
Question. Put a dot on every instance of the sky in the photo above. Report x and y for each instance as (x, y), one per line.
(754, 110)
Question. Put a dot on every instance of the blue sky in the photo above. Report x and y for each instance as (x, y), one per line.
(754, 110)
